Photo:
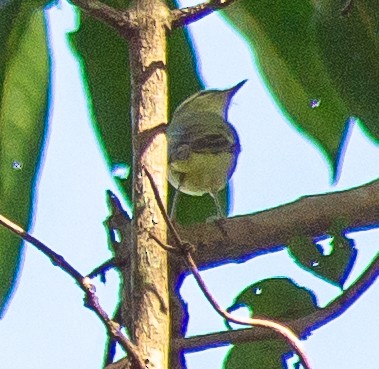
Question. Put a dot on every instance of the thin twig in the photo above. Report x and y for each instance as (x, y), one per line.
(185, 16)
(162, 209)
(109, 264)
(103, 268)
(55, 258)
(165, 247)
(284, 331)
(91, 300)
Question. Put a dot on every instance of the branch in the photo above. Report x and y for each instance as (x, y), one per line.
(303, 327)
(264, 231)
(91, 300)
(185, 16)
(117, 19)
(102, 269)
(186, 249)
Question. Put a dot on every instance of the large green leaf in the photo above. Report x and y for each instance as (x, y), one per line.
(104, 57)
(349, 46)
(319, 62)
(279, 299)
(24, 77)
(276, 298)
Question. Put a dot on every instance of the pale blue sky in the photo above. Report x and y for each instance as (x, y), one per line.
(47, 326)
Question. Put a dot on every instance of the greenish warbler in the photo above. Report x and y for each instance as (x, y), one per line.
(203, 147)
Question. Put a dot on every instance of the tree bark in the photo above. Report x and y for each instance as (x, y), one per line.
(147, 284)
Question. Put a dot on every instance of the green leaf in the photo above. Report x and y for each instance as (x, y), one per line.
(349, 46)
(335, 266)
(277, 298)
(24, 78)
(320, 65)
(182, 75)
(104, 59)
(264, 354)
(197, 209)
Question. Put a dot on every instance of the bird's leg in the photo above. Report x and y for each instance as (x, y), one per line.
(176, 195)
(220, 220)
(173, 205)
(220, 213)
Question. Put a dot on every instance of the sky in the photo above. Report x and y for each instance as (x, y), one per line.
(47, 325)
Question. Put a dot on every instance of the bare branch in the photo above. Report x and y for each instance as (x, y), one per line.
(303, 327)
(55, 258)
(181, 17)
(283, 330)
(91, 300)
(118, 19)
(264, 231)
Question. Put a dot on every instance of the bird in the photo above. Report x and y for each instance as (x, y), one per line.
(203, 147)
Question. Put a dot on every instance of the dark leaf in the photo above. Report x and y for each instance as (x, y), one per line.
(24, 78)
(319, 61)
(105, 65)
(349, 46)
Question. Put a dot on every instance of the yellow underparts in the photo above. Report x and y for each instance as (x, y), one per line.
(201, 173)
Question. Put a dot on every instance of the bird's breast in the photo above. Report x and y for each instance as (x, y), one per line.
(201, 172)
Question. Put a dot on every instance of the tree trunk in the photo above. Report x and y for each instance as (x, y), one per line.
(148, 281)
